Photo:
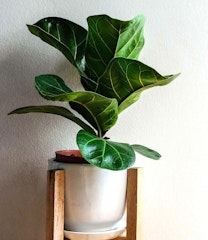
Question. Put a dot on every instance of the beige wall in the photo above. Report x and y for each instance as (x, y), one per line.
(172, 119)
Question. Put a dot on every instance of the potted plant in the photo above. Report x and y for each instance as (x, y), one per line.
(106, 57)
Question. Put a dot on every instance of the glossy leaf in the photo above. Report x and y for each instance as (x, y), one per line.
(51, 86)
(61, 111)
(99, 111)
(125, 79)
(64, 35)
(105, 154)
(89, 83)
(147, 152)
(109, 38)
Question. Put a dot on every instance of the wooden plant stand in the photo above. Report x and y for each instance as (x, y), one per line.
(55, 206)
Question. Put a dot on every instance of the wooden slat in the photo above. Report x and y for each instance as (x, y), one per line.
(59, 205)
(139, 203)
(55, 205)
(134, 204)
(49, 205)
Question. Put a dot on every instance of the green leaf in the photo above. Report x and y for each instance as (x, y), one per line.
(105, 154)
(89, 83)
(51, 86)
(147, 152)
(125, 79)
(99, 111)
(64, 35)
(109, 38)
(61, 111)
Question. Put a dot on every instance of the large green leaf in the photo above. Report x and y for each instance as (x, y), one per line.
(147, 152)
(51, 86)
(101, 112)
(125, 79)
(109, 38)
(61, 111)
(64, 35)
(105, 154)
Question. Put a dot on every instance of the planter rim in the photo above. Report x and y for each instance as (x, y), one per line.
(70, 156)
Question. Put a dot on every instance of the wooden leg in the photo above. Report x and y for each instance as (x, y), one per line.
(134, 204)
(55, 205)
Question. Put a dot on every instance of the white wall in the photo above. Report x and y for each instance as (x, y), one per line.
(172, 119)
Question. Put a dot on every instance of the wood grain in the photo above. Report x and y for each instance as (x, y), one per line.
(134, 205)
(55, 205)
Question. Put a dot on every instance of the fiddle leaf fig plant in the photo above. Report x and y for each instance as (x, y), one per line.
(106, 57)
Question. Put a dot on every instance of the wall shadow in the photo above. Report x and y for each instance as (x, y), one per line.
(24, 146)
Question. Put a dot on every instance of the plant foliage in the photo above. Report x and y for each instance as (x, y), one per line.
(106, 57)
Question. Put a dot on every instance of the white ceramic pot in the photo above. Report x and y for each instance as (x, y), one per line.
(94, 198)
